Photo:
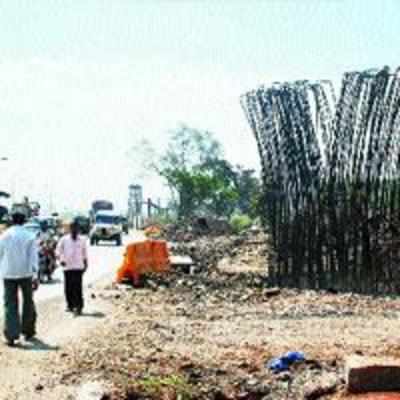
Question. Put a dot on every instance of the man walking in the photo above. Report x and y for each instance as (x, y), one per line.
(72, 253)
(19, 271)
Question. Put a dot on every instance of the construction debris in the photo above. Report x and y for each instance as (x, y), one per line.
(196, 228)
(325, 385)
(233, 253)
(208, 334)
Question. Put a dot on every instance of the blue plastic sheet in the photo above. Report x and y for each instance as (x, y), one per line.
(283, 363)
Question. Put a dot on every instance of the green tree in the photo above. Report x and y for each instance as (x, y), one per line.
(249, 191)
(224, 195)
(240, 189)
(200, 179)
(195, 170)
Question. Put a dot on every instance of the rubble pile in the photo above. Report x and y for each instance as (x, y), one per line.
(231, 290)
(240, 251)
(195, 228)
(206, 253)
(212, 333)
(199, 289)
(160, 341)
(252, 254)
(144, 353)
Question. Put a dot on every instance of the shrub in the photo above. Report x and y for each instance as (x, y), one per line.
(240, 222)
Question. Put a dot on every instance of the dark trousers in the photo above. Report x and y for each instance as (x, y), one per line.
(13, 326)
(73, 289)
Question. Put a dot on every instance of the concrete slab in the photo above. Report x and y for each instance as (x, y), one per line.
(181, 260)
(372, 374)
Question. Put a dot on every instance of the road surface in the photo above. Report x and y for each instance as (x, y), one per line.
(103, 260)
(56, 329)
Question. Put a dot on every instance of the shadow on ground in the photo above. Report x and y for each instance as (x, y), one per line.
(52, 282)
(93, 314)
(36, 344)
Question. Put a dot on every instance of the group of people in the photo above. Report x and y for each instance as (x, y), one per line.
(19, 268)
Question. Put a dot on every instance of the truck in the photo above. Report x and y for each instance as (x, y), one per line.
(100, 205)
(106, 227)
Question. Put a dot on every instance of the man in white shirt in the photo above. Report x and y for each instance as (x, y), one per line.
(19, 270)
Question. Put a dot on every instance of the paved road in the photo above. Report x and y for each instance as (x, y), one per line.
(103, 260)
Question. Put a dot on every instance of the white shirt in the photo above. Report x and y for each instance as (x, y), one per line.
(72, 252)
(18, 254)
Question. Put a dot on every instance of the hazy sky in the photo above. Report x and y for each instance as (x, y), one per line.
(82, 80)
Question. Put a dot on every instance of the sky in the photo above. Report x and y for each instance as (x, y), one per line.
(81, 81)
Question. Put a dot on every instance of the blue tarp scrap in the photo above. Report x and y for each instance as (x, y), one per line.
(283, 363)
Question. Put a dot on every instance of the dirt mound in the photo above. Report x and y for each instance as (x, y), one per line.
(227, 252)
(195, 228)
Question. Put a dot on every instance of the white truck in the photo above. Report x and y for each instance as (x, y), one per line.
(106, 227)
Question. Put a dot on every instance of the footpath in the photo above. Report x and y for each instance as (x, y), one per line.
(24, 366)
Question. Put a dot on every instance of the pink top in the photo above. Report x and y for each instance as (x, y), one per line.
(72, 252)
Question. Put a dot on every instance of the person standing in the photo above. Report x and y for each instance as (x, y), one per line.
(19, 271)
(72, 253)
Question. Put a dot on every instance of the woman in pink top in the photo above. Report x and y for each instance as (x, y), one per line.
(72, 253)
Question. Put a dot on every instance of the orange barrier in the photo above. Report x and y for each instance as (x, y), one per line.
(143, 257)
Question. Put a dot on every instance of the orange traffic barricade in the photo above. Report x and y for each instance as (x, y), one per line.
(143, 257)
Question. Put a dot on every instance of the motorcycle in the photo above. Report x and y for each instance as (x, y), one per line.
(47, 258)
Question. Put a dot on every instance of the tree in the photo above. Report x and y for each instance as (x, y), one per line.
(189, 148)
(249, 191)
(241, 188)
(184, 167)
(200, 179)
(224, 195)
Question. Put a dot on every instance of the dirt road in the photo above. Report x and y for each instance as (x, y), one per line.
(20, 366)
(103, 260)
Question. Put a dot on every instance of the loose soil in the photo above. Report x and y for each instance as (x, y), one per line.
(203, 336)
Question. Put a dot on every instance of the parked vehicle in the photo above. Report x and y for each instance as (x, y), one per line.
(106, 227)
(125, 224)
(84, 224)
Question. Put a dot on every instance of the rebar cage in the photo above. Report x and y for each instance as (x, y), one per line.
(331, 177)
